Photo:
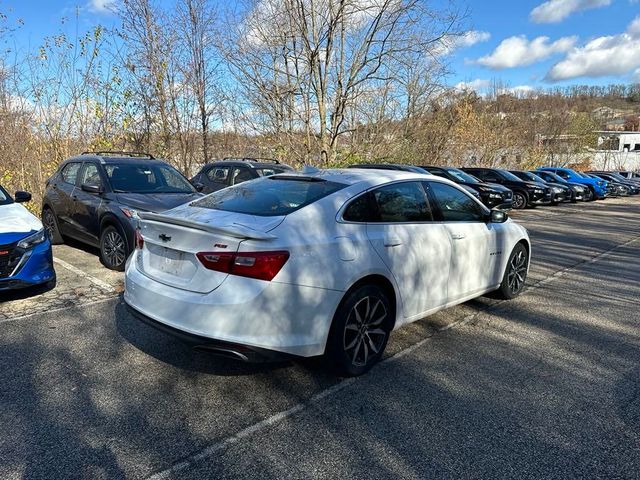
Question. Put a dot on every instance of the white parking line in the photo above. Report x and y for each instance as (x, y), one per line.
(315, 399)
(96, 281)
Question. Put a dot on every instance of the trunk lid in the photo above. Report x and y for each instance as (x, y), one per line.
(172, 240)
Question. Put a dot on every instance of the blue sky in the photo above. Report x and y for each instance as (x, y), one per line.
(583, 41)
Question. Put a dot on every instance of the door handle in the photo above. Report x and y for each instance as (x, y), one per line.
(458, 236)
(392, 242)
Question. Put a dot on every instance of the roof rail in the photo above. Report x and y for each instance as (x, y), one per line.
(252, 159)
(112, 153)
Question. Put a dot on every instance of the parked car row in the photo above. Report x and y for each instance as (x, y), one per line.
(276, 262)
(506, 189)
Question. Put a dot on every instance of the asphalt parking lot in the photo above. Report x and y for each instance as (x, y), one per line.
(547, 385)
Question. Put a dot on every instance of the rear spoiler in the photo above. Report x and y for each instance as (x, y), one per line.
(234, 230)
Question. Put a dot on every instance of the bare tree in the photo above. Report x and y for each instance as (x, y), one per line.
(196, 27)
(307, 62)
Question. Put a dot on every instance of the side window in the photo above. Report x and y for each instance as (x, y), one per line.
(402, 202)
(455, 206)
(219, 174)
(488, 176)
(70, 172)
(564, 175)
(359, 210)
(241, 174)
(90, 174)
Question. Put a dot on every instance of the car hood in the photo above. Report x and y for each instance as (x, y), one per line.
(535, 184)
(155, 202)
(496, 186)
(14, 218)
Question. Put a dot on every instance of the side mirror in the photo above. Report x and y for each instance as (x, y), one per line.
(22, 197)
(198, 186)
(498, 216)
(91, 188)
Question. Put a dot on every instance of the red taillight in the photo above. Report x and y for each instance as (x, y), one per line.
(260, 265)
(139, 240)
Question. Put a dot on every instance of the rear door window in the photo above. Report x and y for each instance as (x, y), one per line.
(269, 196)
(70, 172)
(404, 202)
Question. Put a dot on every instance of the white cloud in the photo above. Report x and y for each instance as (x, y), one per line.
(554, 11)
(102, 6)
(476, 85)
(519, 51)
(602, 56)
(519, 90)
(450, 43)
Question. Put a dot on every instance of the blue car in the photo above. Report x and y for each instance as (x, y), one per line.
(26, 259)
(597, 187)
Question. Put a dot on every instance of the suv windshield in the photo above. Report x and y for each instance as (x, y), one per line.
(270, 196)
(146, 178)
(508, 175)
(461, 176)
(5, 198)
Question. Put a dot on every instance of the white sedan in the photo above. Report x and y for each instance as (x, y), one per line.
(327, 262)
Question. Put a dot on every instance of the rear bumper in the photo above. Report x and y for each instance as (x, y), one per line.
(226, 349)
(255, 314)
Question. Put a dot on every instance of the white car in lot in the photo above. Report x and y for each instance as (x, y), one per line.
(328, 262)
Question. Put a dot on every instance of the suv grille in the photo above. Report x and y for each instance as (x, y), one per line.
(9, 258)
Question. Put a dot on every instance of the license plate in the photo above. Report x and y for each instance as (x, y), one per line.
(170, 261)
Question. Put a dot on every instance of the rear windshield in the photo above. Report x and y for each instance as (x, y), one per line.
(146, 178)
(4, 197)
(268, 196)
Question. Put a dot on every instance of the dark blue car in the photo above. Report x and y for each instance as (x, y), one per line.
(95, 198)
(25, 250)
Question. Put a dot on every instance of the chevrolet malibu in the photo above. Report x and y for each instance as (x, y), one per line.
(327, 262)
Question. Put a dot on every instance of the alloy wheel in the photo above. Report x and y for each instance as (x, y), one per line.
(114, 249)
(517, 271)
(519, 201)
(364, 334)
(49, 223)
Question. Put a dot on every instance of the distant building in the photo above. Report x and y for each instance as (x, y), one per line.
(617, 151)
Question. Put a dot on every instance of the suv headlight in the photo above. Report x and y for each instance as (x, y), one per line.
(32, 240)
(556, 189)
(538, 190)
(495, 195)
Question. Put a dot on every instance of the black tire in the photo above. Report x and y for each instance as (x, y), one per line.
(113, 248)
(520, 200)
(360, 331)
(50, 223)
(515, 274)
(590, 195)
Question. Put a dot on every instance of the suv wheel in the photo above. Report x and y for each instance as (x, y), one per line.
(519, 200)
(113, 248)
(515, 274)
(360, 331)
(50, 224)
